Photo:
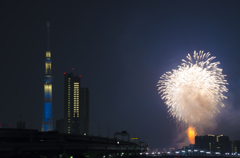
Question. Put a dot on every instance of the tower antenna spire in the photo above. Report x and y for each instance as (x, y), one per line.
(48, 37)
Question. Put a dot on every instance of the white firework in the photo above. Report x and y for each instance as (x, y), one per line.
(194, 92)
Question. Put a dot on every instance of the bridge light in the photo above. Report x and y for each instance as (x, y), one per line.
(117, 142)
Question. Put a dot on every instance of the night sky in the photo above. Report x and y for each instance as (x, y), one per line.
(120, 48)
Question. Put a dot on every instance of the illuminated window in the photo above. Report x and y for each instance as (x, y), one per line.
(76, 99)
(48, 54)
(69, 80)
(48, 90)
(48, 67)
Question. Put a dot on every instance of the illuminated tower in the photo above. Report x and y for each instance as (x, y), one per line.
(47, 107)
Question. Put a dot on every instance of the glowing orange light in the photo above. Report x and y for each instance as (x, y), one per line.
(72, 68)
(191, 132)
(64, 73)
(79, 76)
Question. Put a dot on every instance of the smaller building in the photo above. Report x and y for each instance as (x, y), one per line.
(219, 143)
(60, 125)
(236, 146)
(84, 111)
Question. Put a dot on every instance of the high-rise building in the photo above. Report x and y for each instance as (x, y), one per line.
(47, 107)
(72, 85)
(84, 111)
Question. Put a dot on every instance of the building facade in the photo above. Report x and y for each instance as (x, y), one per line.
(84, 111)
(60, 125)
(219, 143)
(47, 107)
(72, 86)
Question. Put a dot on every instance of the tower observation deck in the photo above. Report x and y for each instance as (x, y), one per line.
(47, 107)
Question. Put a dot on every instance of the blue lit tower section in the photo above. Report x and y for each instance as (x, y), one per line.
(47, 107)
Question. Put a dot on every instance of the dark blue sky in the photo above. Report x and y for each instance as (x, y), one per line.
(120, 48)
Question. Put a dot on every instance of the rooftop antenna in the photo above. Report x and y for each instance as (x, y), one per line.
(48, 37)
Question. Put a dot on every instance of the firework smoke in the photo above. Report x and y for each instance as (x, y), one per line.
(193, 93)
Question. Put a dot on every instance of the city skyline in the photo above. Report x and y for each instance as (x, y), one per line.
(120, 49)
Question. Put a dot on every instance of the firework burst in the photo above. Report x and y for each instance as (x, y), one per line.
(194, 91)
